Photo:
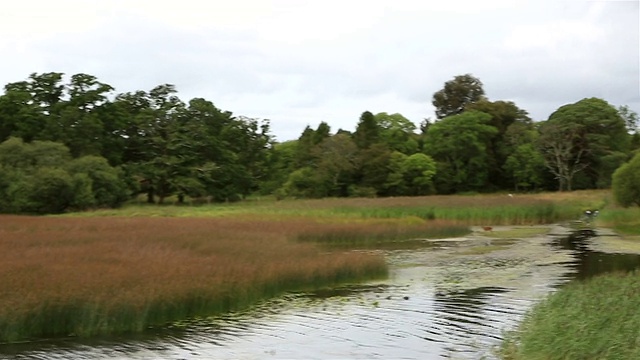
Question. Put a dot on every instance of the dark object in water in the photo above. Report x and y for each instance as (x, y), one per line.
(589, 215)
(487, 228)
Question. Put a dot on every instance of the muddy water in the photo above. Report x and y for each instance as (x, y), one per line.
(451, 300)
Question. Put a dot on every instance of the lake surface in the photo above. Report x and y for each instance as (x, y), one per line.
(440, 302)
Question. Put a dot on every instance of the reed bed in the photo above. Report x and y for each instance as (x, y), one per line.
(595, 319)
(482, 209)
(376, 233)
(467, 210)
(89, 276)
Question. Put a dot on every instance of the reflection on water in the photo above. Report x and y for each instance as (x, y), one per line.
(409, 316)
(589, 263)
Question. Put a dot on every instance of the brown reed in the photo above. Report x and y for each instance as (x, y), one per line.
(88, 276)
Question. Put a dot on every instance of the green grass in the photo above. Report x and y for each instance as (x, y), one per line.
(375, 233)
(491, 209)
(625, 221)
(595, 319)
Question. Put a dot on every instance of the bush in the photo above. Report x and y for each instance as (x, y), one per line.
(48, 190)
(626, 183)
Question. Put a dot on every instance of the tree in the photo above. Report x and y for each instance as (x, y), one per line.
(459, 145)
(41, 177)
(337, 162)
(281, 163)
(418, 171)
(44, 191)
(396, 184)
(397, 132)
(373, 169)
(525, 167)
(504, 114)
(626, 183)
(105, 183)
(80, 123)
(597, 131)
(303, 183)
(630, 118)
(562, 151)
(456, 95)
(367, 131)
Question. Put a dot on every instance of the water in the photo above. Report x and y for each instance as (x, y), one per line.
(437, 304)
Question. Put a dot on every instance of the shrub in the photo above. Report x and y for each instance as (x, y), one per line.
(626, 183)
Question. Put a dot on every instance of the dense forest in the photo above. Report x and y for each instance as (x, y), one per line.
(73, 144)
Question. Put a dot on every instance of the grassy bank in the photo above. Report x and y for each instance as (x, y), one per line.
(625, 221)
(88, 276)
(595, 319)
(483, 209)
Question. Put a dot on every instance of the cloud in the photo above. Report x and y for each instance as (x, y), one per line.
(302, 62)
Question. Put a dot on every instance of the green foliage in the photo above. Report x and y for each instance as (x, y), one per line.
(373, 168)
(418, 170)
(594, 129)
(463, 90)
(40, 177)
(303, 183)
(504, 115)
(106, 182)
(168, 149)
(395, 184)
(525, 166)
(630, 118)
(595, 319)
(46, 190)
(367, 131)
(397, 132)
(626, 183)
(460, 142)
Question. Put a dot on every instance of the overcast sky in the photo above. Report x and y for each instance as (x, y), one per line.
(299, 62)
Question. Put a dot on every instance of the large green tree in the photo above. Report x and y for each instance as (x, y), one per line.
(598, 137)
(457, 94)
(504, 114)
(459, 145)
(397, 132)
(367, 131)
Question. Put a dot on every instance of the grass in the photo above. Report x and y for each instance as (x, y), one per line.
(376, 233)
(625, 221)
(595, 319)
(492, 209)
(89, 276)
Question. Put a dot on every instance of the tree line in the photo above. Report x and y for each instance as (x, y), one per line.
(74, 144)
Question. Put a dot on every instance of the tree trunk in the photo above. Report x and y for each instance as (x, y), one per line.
(150, 196)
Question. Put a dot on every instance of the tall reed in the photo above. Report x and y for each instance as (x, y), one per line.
(88, 276)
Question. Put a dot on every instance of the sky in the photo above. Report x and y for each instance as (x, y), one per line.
(300, 62)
